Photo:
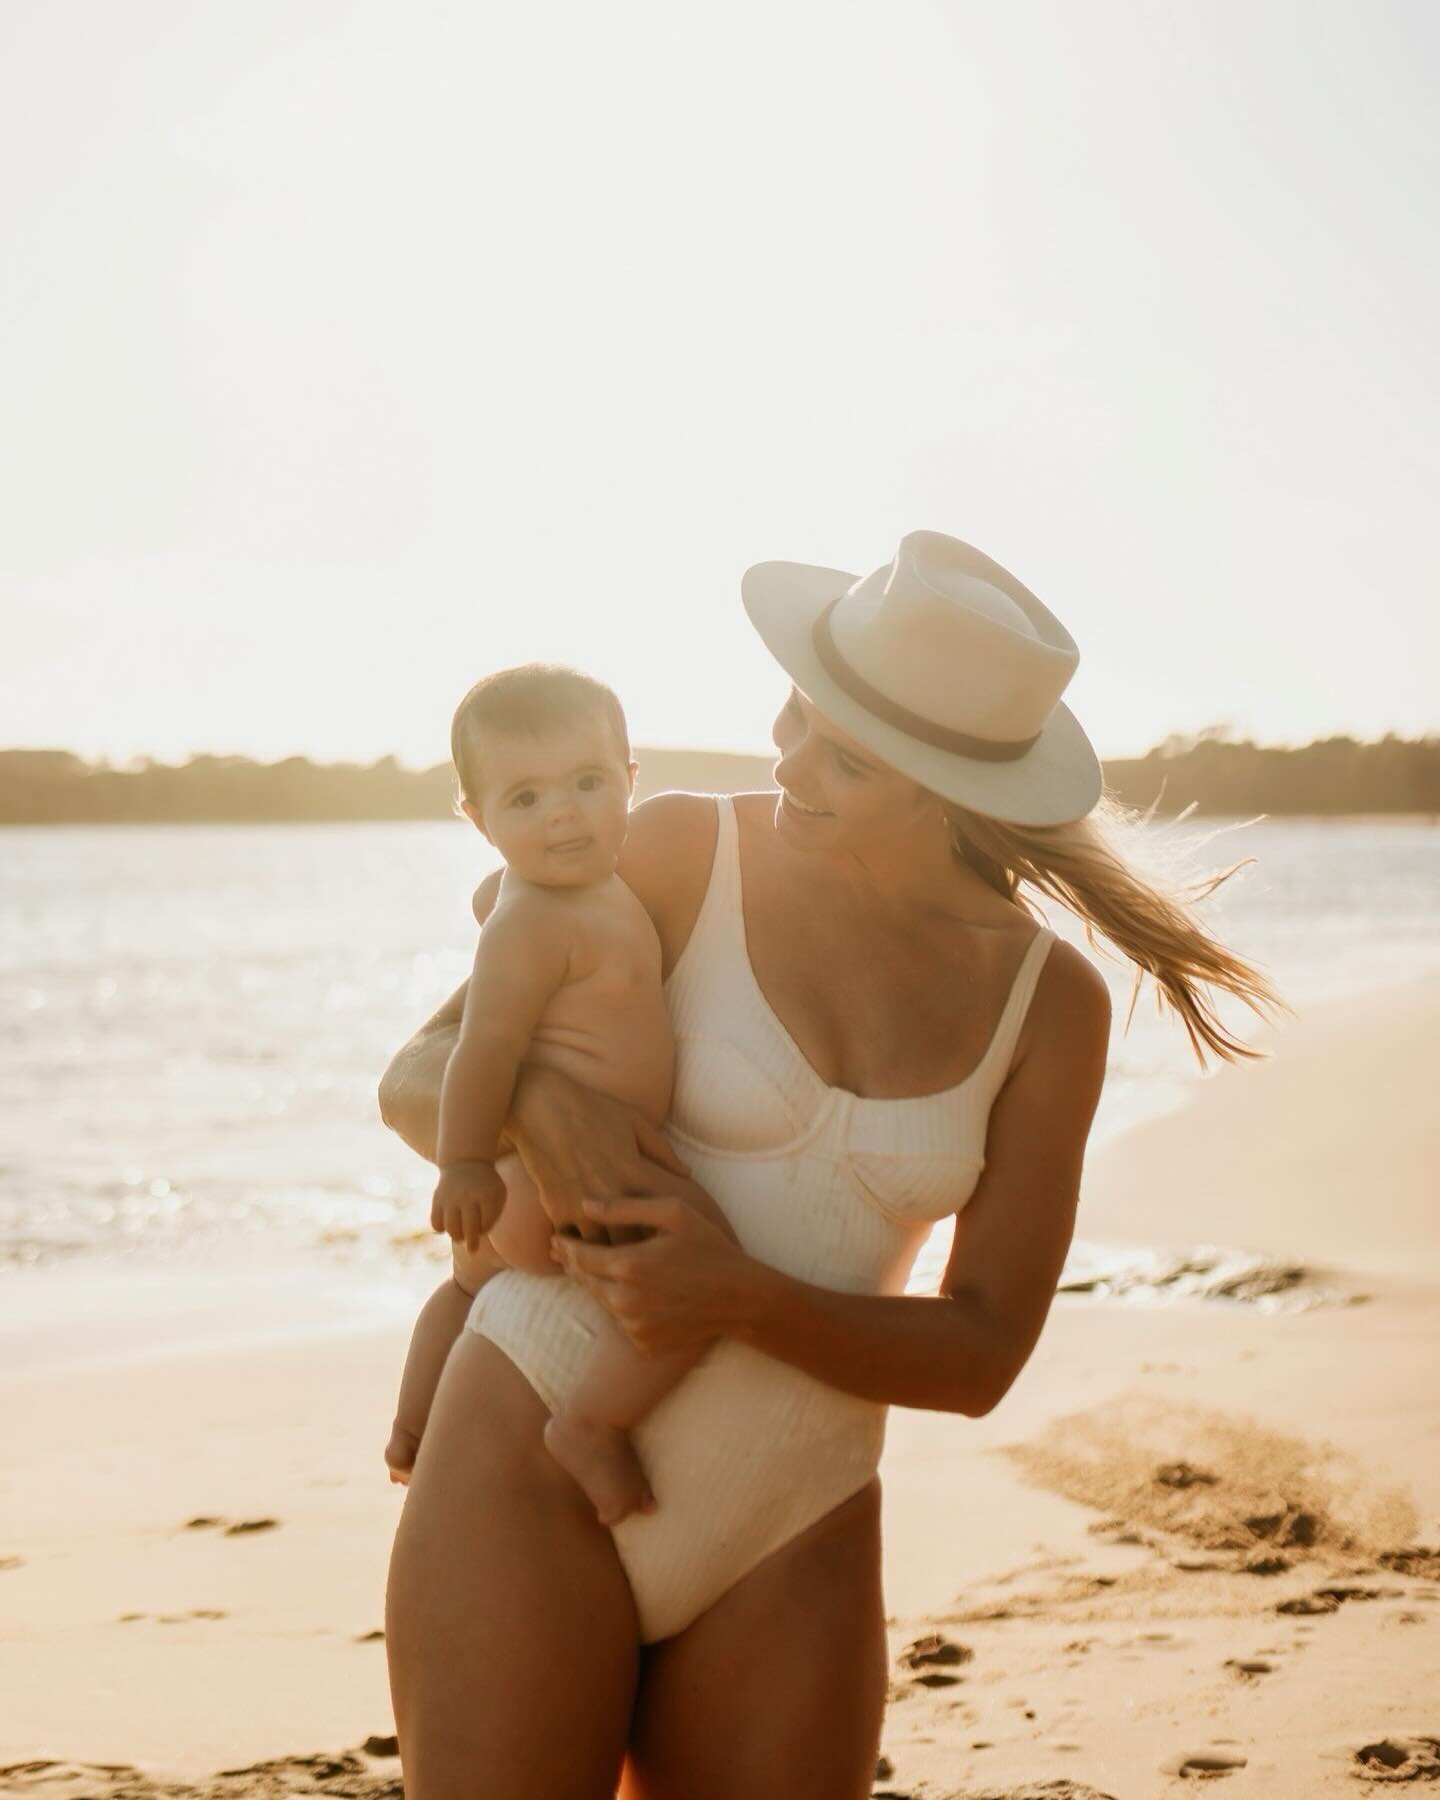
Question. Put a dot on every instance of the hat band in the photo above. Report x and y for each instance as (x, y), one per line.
(939, 737)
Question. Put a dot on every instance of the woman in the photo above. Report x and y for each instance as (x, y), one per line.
(873, 1031)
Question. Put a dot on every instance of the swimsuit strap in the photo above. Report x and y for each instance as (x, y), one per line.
(1017, 1004)
(718, 930)
(725, 870)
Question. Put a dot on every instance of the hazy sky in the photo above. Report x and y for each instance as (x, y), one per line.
(349, 350)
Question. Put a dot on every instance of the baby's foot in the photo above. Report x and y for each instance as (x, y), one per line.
(400, 1454)
(602, 1460)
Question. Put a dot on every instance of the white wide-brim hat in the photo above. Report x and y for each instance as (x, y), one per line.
(944, 665)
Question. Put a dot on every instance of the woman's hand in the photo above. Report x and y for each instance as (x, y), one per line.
(576, 1143)
(678, 1288)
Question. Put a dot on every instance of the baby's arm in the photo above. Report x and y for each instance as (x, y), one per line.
(522, 958)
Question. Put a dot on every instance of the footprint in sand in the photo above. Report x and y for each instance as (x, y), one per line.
(1400, 1759)
(1265, 1562)
(231, 1528)
(185, 1618)
(294, 1769)
(1247, 1668)
(928, 1658)
(1416, 1559)
(1033, 1790)
(1330, 1598)
(1309, 1603)
(1203, 1764)
(923, 1656)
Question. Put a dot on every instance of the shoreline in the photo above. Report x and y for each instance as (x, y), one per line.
(1091, 1556)
(152, 1296)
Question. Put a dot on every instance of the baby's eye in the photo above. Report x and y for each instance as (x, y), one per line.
(588, 783)
(848, 765)
(526, 797)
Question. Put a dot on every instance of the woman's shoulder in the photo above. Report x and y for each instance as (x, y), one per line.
(671, 825)
(1070, 1006)
(669, 848)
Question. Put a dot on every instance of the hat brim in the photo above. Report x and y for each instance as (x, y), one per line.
(1057, 780)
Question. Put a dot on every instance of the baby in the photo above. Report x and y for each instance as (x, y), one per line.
(566, 974)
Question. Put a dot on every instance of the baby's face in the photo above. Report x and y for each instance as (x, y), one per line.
(555, 804)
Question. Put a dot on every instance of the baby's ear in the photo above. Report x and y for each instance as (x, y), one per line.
(473, 814)
(634, 768)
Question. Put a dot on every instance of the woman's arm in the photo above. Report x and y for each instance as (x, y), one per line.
(958, 1351)
(410, 1086)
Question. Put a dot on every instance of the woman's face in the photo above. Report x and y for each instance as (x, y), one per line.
(834, 793)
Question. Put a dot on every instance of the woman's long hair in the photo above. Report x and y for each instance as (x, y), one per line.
(1112, 871)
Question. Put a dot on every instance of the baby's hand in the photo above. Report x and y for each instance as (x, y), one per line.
(469, 1198)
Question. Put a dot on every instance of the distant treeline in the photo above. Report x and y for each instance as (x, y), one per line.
(1220, 774)
(53, 787)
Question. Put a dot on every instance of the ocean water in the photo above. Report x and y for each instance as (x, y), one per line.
(193, 1020)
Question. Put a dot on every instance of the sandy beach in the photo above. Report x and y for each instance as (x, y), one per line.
(1200, 1538)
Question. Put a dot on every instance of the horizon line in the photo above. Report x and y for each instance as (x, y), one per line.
(139, 760)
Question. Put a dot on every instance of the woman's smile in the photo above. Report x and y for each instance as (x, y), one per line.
(795, 805)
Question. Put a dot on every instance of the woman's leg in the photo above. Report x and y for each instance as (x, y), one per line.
(776, 1692)
(509, 1625)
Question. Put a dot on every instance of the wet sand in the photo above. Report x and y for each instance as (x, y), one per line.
(1199, 1540)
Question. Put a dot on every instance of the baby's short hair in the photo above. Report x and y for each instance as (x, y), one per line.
(534, 698)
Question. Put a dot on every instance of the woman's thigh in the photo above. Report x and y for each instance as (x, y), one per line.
(779, 1688)
(509, 1625)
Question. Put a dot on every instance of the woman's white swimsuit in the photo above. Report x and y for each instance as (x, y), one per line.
(831, 1188)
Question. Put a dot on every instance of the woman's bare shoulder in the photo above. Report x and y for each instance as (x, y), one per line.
(1071, 1002)
(673, 826)
(669, 848)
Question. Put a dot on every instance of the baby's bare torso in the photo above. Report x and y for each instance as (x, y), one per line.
(606, 1026)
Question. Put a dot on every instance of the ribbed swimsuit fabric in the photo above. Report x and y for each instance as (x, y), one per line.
(832, 1188)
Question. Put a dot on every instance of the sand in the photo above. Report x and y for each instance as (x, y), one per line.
(1197, 1540)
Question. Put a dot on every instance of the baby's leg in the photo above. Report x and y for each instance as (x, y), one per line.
(589, 1438)
(520, 1240)
(442, 1319)
(621, 1384)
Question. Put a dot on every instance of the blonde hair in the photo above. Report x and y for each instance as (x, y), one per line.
(1093, 867)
